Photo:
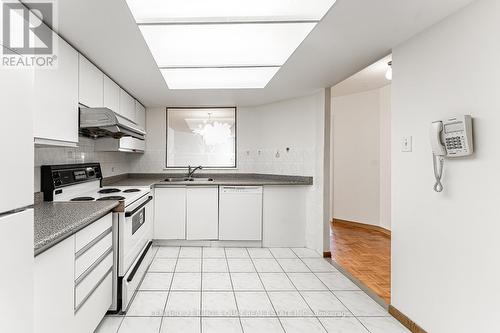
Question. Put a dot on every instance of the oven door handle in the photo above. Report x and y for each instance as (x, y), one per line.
(128, 214)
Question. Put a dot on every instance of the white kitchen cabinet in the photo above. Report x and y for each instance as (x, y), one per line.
(111, 95)
(202, 213)
(240, 213)
(56, 99)
(54, 289)
(140, 115)
(170, 213)
(127, 106)
(91, 84)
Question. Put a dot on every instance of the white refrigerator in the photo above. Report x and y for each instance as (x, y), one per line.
(16, 200)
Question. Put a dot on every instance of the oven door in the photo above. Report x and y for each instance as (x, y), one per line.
(135, 231)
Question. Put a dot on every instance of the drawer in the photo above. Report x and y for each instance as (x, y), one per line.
(88, 256)
(90, 314)
(92, 231)
(88, 282)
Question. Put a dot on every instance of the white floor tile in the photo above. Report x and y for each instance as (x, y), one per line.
(336, 281)
(343, 325)
(246, 282)
(267, 265)
(283, 252)
(156, 281)
(180, 324)
(183, 304)
(289, 304)
(214, 252)
(140, 324)
(302, 325)
(325, 304)
(306, 281)
(259, 253)
(148, 304)
(360, 304)
(218, 304)
(254, 304)
(261, 325)
(216, 282)
(276, 282)
(293, 265)
(237, 265)
(162, 265)
(236, 252)
(319, 265)
(303, 252)
(109, 324)
(215, 265)
(221, 325)
(383, 325)
(190, 252)
(188, 265)
(167, 252)
(186, 281)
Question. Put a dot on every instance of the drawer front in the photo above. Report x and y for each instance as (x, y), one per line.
(88, 256)
(88, 317)
(88, 282)
(92, 231)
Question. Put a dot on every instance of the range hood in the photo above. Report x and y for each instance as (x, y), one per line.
(104, 122)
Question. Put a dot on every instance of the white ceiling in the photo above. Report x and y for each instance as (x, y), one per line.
(369, 78)
(354, 34)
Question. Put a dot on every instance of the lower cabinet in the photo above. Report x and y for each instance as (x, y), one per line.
(73, 285)
(170, 213)
(202, 217)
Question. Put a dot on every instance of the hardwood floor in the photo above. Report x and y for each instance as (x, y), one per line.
(366, 254)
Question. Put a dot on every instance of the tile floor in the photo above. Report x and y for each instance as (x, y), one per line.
(261, 290)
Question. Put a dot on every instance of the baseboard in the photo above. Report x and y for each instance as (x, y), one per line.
(407, 322)
(362, 225)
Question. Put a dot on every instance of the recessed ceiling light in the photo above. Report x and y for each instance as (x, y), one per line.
(218, 78)
(241, 43)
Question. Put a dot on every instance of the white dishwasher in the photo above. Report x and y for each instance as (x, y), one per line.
(240, 213)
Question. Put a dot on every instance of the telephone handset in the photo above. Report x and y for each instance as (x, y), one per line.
(449, 138)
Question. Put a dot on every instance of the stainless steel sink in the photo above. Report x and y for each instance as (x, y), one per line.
(184, 179)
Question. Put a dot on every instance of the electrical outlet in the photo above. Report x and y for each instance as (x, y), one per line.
(406, 144)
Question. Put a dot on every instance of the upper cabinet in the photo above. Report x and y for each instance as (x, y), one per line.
(56, 99)
(111, 94)
(127, 106)
(91, 84)
(140, 115)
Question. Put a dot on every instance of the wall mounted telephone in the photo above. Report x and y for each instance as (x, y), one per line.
(450, 138)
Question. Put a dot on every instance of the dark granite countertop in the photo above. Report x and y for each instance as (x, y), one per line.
(226, 179)
(56, 221)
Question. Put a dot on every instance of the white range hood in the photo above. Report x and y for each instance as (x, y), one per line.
(104, 122)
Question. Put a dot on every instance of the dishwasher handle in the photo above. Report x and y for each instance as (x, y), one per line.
(241, 189)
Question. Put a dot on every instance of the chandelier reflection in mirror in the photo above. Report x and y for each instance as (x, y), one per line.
(201, 136)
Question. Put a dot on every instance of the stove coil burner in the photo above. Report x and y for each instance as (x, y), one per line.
(130, 190)
(108, 190)
(111, 197)
(82, 199)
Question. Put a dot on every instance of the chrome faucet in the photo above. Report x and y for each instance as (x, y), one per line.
(192, 171)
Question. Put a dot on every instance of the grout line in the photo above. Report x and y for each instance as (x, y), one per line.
(201, 290)
(234, 293)
(169, 288)
(265, 290)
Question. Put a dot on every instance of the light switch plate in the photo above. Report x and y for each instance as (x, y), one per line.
(406, 144)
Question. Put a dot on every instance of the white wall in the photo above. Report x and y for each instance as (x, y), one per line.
(445, 247)
(361, 157)
(264, 133)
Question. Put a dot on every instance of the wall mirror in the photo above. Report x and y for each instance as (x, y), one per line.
(201, 136)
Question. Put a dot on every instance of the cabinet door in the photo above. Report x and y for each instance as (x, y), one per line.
(127, 106)
(140, 115)
(91, 84)
(111, 95)
(54, 289)
(202, 220)
(170, 213)
(56, 96)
